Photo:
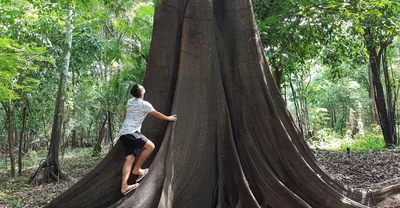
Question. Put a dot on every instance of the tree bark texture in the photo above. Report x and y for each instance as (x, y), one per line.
(234, 144)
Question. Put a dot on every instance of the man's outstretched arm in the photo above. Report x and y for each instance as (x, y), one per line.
(162, 116)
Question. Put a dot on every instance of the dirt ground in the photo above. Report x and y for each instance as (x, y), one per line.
(359, 170)
(366, 170)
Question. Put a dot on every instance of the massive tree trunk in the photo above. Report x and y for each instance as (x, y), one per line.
(234, 144)
(50, 170)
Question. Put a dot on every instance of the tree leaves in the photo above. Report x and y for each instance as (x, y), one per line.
(16, 62)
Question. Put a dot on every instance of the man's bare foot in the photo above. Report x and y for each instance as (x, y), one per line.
(141, 172)
(129, 188)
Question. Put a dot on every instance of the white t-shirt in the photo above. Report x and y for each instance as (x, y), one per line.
(136, 111)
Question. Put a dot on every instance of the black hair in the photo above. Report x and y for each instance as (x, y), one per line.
(137, 90)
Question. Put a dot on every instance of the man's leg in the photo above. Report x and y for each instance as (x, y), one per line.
(126, 172)
(147, 150)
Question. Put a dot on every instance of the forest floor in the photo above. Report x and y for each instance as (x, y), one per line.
(359, 170)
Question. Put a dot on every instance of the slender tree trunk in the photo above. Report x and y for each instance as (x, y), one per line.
(371, 93)
(304, 107)
(51, 167)
(5, 158)
(100, 138)
(81, 136)
(296, 106)
(333, 116)
(27, 140)
(278, 77)
(9, 121)
(20, 140)
(89, 131)
(110, 126)
(375, 65)
(379, 95)
(389, 97)
(64, 138)
(396, 96)
(74, 138)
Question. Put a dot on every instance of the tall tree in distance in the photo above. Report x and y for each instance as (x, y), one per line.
(49, 169)
(235, 144)
(378, 34)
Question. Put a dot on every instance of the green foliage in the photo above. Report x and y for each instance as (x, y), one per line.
(371, 142)
(16, 63)
(329, 140)
(319, 117)
(111, 42)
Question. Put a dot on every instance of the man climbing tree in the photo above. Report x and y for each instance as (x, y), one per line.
(131, 138)
(235, 145)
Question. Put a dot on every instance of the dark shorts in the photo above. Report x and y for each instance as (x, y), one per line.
(133, 143)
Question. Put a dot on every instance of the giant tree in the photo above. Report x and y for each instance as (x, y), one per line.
(234, 145)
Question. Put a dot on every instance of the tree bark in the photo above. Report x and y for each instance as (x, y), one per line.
(51, 168)
(234, 144)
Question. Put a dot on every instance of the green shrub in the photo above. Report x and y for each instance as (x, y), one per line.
(326, 138)
(370, 142)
